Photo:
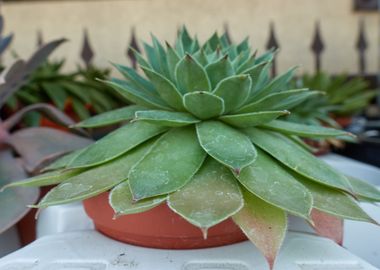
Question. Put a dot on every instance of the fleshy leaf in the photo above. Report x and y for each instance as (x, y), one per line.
(302, 130)
(277, 84)
(138, 96)
(191, 76)
(63, 161)
(116, 144)
(284, 100)
(172, 59)
(111, 117)
(166, 89)
(334, 202)
(234, 91)
(95, 180)
(328, 226)
(364, 189)
(203, 105)
(13, 201)
(121, 200)
(46, 179)
(269, 181)
(296, 158)
(210, 197)
(166, 118)
(254, 72)
(37, 144)
(219, 70)
(226, 144)
(133, 77)
(170, 164)
(160, 56)
(251, 119)
(264, 225)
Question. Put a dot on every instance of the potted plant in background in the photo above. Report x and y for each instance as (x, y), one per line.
(204, 158)
(23, 152)
(344, 97)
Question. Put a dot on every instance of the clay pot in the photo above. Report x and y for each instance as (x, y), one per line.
(158, 228)
(343, 121)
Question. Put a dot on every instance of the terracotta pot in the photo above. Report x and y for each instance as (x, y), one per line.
(343, 121)
(158, 228)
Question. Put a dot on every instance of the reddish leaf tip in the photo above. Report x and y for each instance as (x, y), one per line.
(237, 171)
(204, 232)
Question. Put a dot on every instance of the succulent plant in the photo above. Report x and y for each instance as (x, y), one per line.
(205, 140)
(25, 151)
(77, 92)
(343, 97)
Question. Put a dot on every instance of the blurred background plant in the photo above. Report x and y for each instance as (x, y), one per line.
(76, 93)
(343, 98)
(24, 151)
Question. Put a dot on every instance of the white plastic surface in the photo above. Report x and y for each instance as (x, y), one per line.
(89, 250)
(9, 241)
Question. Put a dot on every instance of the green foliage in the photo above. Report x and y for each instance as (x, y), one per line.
(208, 115)
(24, 151)
(77, 93)
(342, 97)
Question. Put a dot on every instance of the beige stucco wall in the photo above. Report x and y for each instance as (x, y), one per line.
(109, 23)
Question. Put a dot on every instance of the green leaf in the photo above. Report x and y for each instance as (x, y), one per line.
(121, 200)
(185, 39)
(56, 93)
(116, 144)
(140, 59)
(134, 78)
(166, 118)
(80, 109)
(211, 197)
(152, 57)
(111, 117)
(254, 72)
(251, 119)
(160, 56)
(364, 189)
(269, 181)
(203, 105)
(301, 143)
(170, 164)
(284, 100)
(334, 202)
(172, 58)
(246, 65)
(226, 144)
(234, 91)
(200, 56)
(213, 41)
(296, 158)
(311, 131)
(263, 224)
(278, 84)
(166, 89)
(63, 161)
(219, 70)
(94, 181)
(191, 76)
(138, 96)
(46, 179)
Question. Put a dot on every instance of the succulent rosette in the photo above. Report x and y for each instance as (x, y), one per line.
(204, 137)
